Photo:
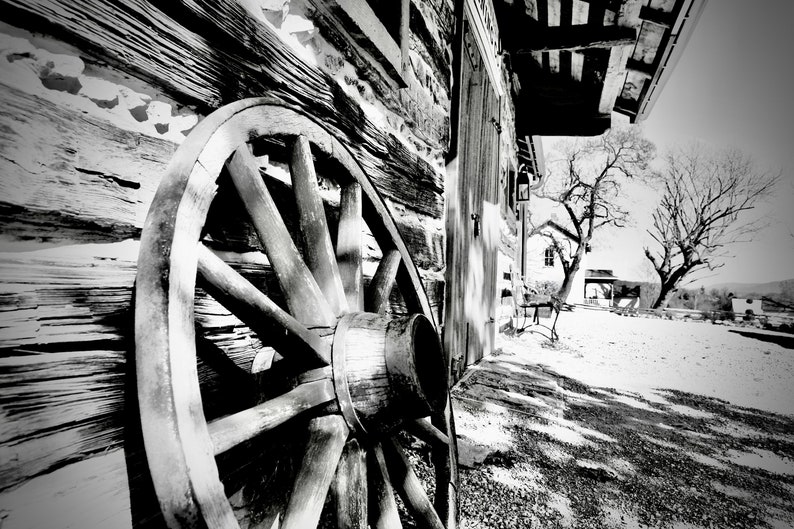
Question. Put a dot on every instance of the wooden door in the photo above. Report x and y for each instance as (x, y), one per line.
(473, 217)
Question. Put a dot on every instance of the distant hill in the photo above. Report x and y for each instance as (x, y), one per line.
(745, 289)
(689, 297)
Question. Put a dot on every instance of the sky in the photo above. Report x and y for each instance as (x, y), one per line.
(733, 86)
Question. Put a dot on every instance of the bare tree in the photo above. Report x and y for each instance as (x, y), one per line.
(586, 183)
(703, 210)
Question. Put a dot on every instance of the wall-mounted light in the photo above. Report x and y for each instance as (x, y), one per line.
(522, 184)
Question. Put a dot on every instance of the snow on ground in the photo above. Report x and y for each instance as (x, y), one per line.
(742, 365)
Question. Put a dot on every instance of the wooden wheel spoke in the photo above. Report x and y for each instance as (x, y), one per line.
(383, 512)
(304, 297)
(318, 249)
(413, 300)
(249, 304)
(348, 244)
(410, 488)
(350, 488)
(408, 279)
(425, 431)
(326, 440)
(239, 427)
(383, 282)
(445, 462)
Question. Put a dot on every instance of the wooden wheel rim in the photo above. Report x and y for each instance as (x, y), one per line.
(176, 436)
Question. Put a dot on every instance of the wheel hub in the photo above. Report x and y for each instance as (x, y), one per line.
(387, 370)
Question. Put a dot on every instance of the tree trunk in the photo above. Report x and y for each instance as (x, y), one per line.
(665, 294)
(670, 279)
(567, 281)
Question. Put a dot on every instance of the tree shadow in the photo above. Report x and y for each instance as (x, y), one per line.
(582, 456)
(783, 341)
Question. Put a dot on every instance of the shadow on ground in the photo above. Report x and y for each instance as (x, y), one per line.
(543, 450)
(782, 340)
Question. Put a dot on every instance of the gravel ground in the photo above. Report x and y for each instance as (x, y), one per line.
(629, 423)
(743, 365)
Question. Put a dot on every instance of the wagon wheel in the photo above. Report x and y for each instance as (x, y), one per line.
(363, 378)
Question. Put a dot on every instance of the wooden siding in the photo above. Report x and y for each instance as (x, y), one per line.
(79, 170)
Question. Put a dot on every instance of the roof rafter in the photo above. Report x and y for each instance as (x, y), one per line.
(613, 79)
(657, 16)
(627, 107)
(579, 37)
(640, 67)
(603, 4)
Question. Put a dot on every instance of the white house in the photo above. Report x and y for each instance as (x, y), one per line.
(543, 264)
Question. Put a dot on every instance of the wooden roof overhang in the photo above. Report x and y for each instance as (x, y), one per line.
(599, 276)
(574, 62)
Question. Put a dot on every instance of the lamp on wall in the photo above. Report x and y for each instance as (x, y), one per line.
(522, 184)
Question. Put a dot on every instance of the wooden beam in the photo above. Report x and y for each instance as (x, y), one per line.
(578, 38)
(595, 13)
(614, 77)
(603, 4)
(657, 16)
(627, 107)
(196, 58)
(640, 67)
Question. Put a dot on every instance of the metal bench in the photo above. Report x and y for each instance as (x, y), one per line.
(527, 305)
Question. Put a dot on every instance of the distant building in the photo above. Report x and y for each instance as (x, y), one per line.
(626, 296)
(590, 286)
(746, 307)
(598, 287)
(543, 264)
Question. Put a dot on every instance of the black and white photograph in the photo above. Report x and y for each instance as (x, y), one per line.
(396, 264)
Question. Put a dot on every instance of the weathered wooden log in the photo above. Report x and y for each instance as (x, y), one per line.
(50, 302)
(64, 333)
(89, 493)
(47, 303)
(92, 181)
(174, 53)
(67, 171)
(56, 408)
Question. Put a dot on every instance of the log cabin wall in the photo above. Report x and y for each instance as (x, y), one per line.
(96, 98)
